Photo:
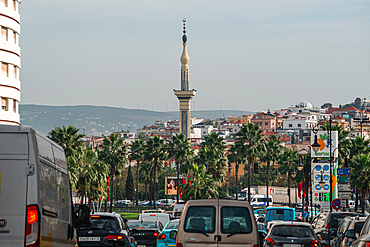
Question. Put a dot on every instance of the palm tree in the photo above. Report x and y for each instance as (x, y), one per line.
(361, 176)
(68, 138)
(114, 154)
(272, 151)
(212, 155)
(86, 172)
(137, 153)
(251, 135)
(287, 160)
(179, 148)
(201, 186)
(237, 154)
(155, 154)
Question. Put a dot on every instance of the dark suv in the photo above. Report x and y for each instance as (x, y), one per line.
(326, 224)
(107, 229)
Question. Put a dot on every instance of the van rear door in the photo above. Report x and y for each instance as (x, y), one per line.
(237, 226)
(13, 188)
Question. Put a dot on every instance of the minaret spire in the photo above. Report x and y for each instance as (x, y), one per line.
(184, 94)
(184, 59)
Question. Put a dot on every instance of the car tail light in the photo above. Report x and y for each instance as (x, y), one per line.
(178, 245)
(155, 234)
(32, 226)
(115, 237)
(327, 226)
(367, 244)
(326, 245)
(95, 216)
(162, 236)
(270, 242)
(315, 243)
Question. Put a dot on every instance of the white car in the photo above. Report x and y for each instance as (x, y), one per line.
(162, 217)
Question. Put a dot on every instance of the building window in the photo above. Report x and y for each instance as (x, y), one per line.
(4, 69)
(4, 33)
(290, 125)
(4, 104)
(299, 125)
(14, 106)
(15, 72)
(5, 2)
(15, 5)
(266, 123)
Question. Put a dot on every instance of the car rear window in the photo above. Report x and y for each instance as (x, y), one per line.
(358, 227)
(108, 224)
(280, 214)
(200, 219)
(236, 219)
(173, 225)
(141, 225)
(291, 231)
(336, 219)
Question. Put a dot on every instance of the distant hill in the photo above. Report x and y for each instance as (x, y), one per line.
(100, 120)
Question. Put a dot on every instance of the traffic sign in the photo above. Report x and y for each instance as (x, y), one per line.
(344, 179)
(344, 187)
(336, 204)
(343, 171)
(305, 215)
(344, 195)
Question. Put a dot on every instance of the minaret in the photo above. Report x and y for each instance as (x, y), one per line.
(184, 95)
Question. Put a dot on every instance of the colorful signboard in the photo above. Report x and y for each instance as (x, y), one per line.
(170, 185)
(325, 143)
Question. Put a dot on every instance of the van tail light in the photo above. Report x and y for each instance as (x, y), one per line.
(115, 237)
(270, 242)
(162, 236)
(256, 245)
(32, 226)
(178, 245)
(315, 243)
(155, 234)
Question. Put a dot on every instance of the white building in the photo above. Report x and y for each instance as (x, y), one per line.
(10, 62)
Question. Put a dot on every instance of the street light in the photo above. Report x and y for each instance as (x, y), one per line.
(300, 167)
(315, 145)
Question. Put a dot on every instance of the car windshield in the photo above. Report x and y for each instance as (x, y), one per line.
(200, 219)
(141, 225)
(173, 225)
(101, 223)
(291, 231)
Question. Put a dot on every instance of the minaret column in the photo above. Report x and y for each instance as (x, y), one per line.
(185, 95)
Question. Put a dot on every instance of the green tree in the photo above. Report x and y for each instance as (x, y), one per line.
(129, 187)
(237, 154)
(202, 185)
(137, 153)
(68, 138)
(155, 154)
(179, 148)
(251, 135)
(114, 154)
(361, 176)
(272, 151)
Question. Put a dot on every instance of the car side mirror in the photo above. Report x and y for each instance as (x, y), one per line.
(125, 220)
(83, 219)
(350, 234)
(173, 234)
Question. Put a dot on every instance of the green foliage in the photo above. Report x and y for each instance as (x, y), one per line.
(129, 187)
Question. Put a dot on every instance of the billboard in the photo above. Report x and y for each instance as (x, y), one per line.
(325, 143)
(170, 185)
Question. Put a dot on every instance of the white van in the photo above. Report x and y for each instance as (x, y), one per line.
(261, 200)
(35, 195)
(177, 210)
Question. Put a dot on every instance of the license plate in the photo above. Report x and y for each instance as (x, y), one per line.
(141, 245)
(292, 245)
(89, 239)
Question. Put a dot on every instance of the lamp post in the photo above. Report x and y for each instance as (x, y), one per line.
(293, 174)
(305, 182)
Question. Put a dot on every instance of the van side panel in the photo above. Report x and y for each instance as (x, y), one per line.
(13, 188)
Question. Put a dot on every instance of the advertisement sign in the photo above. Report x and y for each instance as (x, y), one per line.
(170, 185)
(325, 143)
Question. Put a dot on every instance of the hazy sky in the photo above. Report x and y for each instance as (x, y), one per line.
(255, 54)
